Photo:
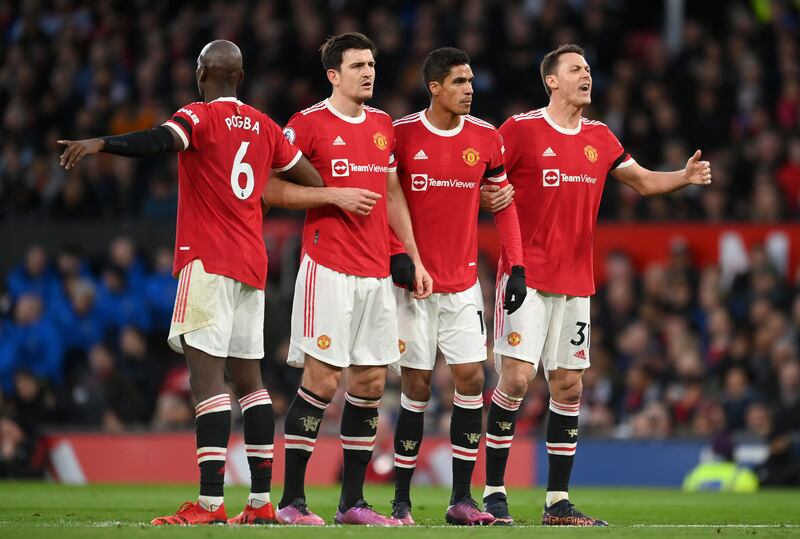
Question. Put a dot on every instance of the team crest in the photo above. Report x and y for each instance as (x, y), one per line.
(401, 344)
(473, 437)
(590, 152)
(310, 423)
(471, 156)
(572, 433)
(372, 422)
(409, 445)
(324, 342)
(380, 140)
(504, 425)
(514, 338)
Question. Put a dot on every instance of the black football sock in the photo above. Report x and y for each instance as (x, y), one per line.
(562, 439)
(300, 435)
(259, 434)
(213, 428)
(466, 426)
(407, 442)
(359, 425)
(500, 425)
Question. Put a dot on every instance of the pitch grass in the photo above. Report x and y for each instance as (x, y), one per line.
(33, 510)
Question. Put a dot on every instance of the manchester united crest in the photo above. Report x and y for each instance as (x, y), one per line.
(324, 342)
(401, 345)
(380, 140)
(514, 338)
(590, 152)
(471, 156)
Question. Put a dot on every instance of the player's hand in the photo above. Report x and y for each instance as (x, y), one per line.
(698, 172)
(423, 284)
(403, 271)
(494, 198)
(516, 290)
(76, 150)
(355, 200)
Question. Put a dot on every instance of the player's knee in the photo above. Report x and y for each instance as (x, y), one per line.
(514, 382)
(323, 387)
(367, 384)
(417, 388)
(472, 385)
(568, 391)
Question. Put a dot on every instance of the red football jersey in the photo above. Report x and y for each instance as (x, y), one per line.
(347, 152)
(441, 173)
(558, 176)
(230, 149)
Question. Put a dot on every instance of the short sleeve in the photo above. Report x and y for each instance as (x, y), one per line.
(510, 146)
(618, 157)
(285, 155)
(495, 169)
(188, 123)
(299, 133)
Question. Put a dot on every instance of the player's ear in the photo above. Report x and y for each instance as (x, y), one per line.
(201, 73)
(334, 77)
(552, 82)
(241, 76)
(435, 87)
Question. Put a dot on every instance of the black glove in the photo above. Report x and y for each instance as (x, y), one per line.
(403, 271)
(516, 290)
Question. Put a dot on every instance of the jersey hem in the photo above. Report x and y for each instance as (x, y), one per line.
(344, 271)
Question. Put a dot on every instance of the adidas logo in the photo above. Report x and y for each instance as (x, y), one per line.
(420, 155)
(580, 354)
(338, 141)
(549, 152)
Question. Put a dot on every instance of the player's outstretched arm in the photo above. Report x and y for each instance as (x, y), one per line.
(647, 182)
(400, 222)
(495, 198)
(151, 141)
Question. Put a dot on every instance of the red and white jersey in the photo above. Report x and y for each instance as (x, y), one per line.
(347, 152)
(441, 173)
(230, 149)
(558, 176)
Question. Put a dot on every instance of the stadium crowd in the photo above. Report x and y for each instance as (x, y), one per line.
(677, 350)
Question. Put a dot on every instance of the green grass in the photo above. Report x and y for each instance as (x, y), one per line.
(33, 510)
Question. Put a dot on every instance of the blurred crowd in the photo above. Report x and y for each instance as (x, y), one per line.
(676, 351)
(730, 85)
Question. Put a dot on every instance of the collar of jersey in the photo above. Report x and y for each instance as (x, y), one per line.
(562, 130)
(228, 99)
(349, 119)
(441, 132)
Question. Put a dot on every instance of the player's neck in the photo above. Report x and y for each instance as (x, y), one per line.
(211, 94)
(441, 118)
(346, 106)
(564, 115)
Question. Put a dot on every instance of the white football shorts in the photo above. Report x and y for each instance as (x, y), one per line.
(217, 314)
(551, 328)
(342, 319)
(453, 321)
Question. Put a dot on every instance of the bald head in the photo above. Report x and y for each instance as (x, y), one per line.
(219, 64)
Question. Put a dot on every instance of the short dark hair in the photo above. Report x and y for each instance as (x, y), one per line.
(333, 49)
(438, 63)
(549, 63)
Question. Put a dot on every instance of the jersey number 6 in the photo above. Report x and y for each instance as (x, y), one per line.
(240, 167)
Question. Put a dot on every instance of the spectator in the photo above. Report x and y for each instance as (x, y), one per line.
(32, 343)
